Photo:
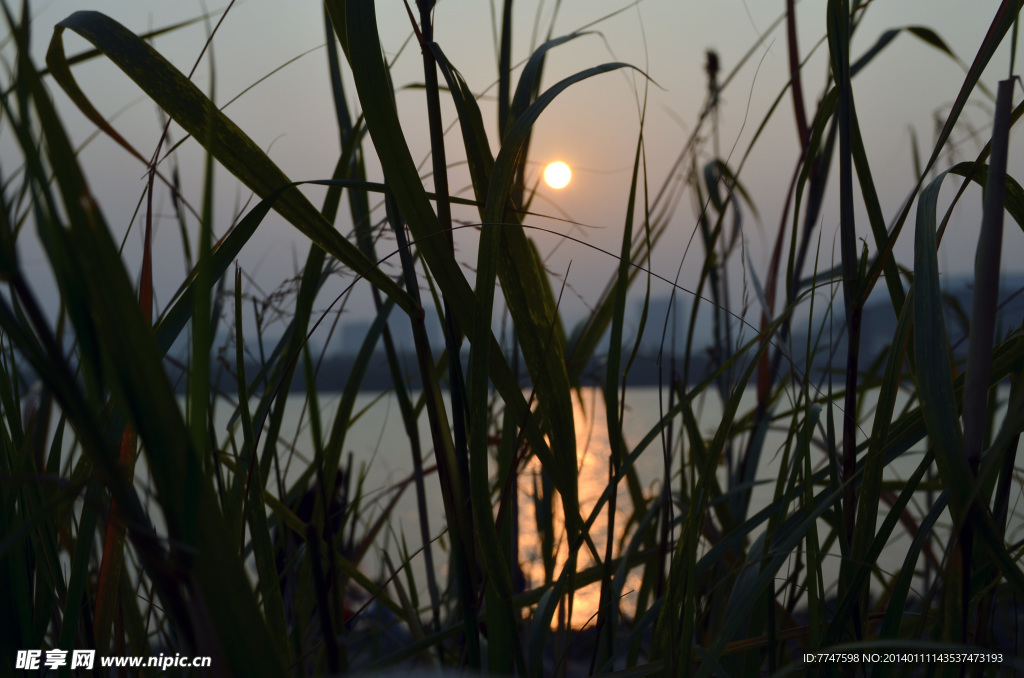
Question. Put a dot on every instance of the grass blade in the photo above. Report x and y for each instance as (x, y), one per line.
(189, 107)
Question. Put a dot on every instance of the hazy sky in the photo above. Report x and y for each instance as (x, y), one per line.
(593, 126)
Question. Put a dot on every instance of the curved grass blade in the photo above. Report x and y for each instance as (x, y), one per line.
(986, 282)
(148, 36)
(189, 107)
(1002, 21)
(933, 377)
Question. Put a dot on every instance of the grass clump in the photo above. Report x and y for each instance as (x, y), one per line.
(135, 522)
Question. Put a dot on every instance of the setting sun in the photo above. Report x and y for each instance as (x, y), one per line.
(557, 175)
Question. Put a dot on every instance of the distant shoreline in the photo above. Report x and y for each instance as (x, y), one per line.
(333, 374)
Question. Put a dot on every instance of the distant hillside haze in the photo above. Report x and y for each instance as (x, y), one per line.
(659, 337)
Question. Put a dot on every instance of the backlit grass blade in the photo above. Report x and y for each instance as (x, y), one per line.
(113, 548)
(851, 598)
(893, 621)
(255, 509)
(607, 620)
(362, 46)
(986, 282)
(812, 179)
(360, 212)
(33, 336)
(355, 25)
(791, 532)
(452, 471)
(131, 364)
(470, 415)
(883, 241)
(481, 163)
(933, 375)
(529, 84)
(839, 47)
(75, 599)
(922, 33)
(678, 615)
(180, 311)
(802, 128)
(1013, 193)
(1001, 22)
(505, 67)
(1004, 18)
(874, 462)
(113, 552)
(148, 36)
(527, 292)
(188, 106)
(472, 457)
(203, 322)
(933, 378)
(1001, 457)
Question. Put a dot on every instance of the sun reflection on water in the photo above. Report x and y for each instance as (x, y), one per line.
(593, 453)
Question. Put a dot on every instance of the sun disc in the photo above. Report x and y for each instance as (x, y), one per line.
(557, 175)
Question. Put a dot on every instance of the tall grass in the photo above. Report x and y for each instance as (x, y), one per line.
(252, 555)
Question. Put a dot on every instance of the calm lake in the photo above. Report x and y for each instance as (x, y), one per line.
(381, 463)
